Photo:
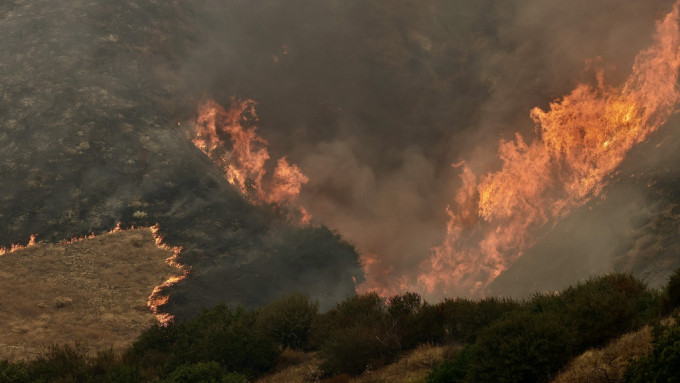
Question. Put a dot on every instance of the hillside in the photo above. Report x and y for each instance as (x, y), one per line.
(588, 331)
(94, 291)
(91, 93)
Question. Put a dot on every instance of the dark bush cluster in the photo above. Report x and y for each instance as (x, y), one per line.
(663, 363)
(672, 292)
(533, 340)
(288, 320)
(357, 335)
(66, 364)
(505, 340)
(365, 331)
(220, 345)
(220, 335)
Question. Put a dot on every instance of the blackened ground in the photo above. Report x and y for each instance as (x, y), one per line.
(374, 100)
(89, 138)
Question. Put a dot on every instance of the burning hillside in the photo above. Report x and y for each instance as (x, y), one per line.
(144, 113)
(582, 139)
(94, 290)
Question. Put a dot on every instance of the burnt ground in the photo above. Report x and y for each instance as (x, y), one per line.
(89, 137)
(91, 93)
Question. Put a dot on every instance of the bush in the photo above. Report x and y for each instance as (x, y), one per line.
(219, 334)
(663, 364)
(288, 320)
(359, 336)
(672, 292)
(65, 362)
(208, 372)
(74, 364)
(605, 307)
(452, 370)
(523, 347)
(14, 372)
(356, 349)
(464, 318)
(404, 313)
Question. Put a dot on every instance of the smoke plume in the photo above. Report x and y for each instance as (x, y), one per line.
(371, 101)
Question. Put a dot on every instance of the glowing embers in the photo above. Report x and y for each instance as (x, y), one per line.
(581, 140)
(228, 137)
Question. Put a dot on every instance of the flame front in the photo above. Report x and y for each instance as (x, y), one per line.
(581, 140)
(17, 247)
(157, 299)
(244, 163)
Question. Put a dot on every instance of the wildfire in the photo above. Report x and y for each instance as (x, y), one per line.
(582, 138)
(17, 247)
(244, 160)
(156, 299)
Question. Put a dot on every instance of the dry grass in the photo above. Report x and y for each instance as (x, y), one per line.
(294, 366)
(608, 363)
(94, 291)
(412, 368)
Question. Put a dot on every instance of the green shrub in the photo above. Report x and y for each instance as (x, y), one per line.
(672, 292)
(14, 372)
(220, 334)
(430, 325)
(404, 314)
(523, 347)
(288, 320)
(356, 349)
(359, 336)
(152, 352)
(208, 372)
(452, 370)
(663, 363)
(545, 303)
(605, 307)
(227, 337)
(64, 362)
(464, 318)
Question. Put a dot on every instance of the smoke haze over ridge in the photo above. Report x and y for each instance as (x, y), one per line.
(380, 99)
(372, 100)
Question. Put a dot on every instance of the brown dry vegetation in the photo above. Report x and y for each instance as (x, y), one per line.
(413, 367)
(94, 291)
(608, 363)
(295, 366)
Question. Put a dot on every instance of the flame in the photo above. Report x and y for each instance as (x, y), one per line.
(582, 139)
(157, 299)
(379, 277)
(244, 164)
(16, 247)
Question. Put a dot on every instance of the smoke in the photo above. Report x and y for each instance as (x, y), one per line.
(374, 101)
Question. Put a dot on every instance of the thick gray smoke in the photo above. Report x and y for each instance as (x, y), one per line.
(373, 100)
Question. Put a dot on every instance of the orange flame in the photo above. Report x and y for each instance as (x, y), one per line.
(17, 247)
(244, 164)
(581, 140)
(156, 299)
